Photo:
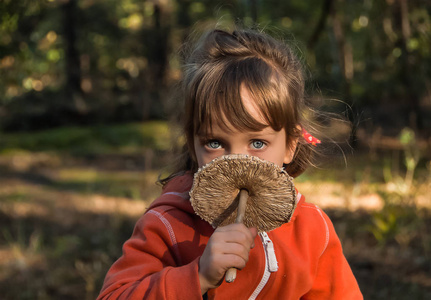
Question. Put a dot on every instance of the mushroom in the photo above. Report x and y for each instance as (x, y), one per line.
(261, 192)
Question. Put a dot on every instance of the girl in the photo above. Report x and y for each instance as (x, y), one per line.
(244, 94)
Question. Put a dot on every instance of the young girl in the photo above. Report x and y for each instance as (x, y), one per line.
(244, 94)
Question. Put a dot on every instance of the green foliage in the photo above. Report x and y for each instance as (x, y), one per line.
(401, 184)
(16, 197)
(396, 223)
(384, 225)
(114, 184)
(411, 152)
(125, 51)
(127, 138)
(399, 220)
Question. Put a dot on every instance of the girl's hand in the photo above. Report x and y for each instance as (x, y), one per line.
(228, 247)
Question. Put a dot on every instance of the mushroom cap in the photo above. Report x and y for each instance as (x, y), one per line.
(272, 195)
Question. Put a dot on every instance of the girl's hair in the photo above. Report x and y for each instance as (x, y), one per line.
(216, 68)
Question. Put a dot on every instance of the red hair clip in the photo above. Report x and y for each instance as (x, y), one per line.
(309, 138)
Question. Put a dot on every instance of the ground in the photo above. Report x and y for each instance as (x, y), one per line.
(64, 217)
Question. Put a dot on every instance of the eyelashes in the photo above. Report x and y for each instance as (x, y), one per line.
(258, 144)
(215, 144)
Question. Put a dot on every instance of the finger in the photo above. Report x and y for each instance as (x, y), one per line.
(236, 249)
(238, 233)
(222, 247)
(228, 261)
(253, 231)
(215, 266)
(234, 238)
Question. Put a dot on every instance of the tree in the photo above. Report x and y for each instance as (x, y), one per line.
(73, 88)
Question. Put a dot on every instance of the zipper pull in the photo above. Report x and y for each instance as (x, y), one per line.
(270, 253)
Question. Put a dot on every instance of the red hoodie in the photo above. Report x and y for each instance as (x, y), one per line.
(301, 259)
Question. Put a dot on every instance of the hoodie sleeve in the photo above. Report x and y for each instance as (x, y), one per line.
(334, 278)
(149, 267)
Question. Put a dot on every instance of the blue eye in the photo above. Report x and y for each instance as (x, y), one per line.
(257, 144)
(214, 144)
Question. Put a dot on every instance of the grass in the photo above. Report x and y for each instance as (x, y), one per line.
(66, 208)
(118, 139)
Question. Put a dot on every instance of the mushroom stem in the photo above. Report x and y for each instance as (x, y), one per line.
(243, 197)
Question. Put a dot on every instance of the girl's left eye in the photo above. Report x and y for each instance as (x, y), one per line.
(214, 144)
(257, 144)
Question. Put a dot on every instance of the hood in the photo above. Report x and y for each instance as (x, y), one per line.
(176, 194)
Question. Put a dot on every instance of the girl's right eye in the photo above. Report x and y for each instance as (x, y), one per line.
(214, 144)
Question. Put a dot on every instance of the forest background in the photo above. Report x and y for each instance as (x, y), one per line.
(84, 130)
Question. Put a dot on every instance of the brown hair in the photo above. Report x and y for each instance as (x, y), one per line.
(214, 71)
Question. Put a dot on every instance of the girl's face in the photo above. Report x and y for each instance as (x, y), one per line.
(266, 144)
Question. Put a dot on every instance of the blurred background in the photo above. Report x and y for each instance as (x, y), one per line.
(84, 131)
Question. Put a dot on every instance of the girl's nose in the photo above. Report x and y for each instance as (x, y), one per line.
(236, 150)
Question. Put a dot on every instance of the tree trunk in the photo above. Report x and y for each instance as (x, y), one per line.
(326, 9)
(345, 57)
(183, 18)
(407, 69)
(73, 70)
(253, 11)
(158, 51)
(345, 54)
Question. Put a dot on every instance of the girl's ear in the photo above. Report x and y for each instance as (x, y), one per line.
(290, 151)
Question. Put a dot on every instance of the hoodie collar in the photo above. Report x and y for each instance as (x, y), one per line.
(176, 194)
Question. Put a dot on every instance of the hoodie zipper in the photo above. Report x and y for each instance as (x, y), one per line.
(271, 264)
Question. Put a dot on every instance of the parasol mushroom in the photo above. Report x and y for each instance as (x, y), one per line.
(261, 192)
